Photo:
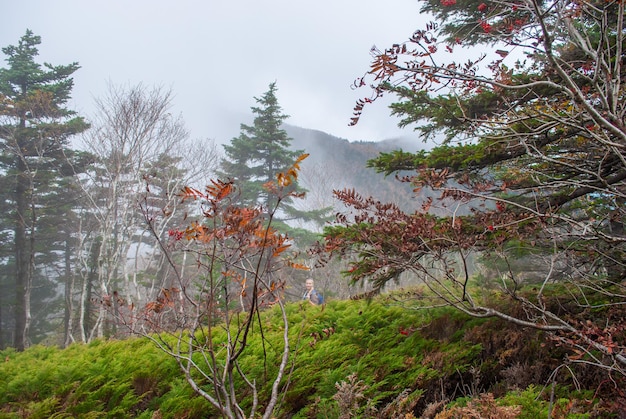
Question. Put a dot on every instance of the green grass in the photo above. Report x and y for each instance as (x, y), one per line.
(425, 354)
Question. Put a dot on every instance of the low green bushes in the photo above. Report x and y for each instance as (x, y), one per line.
(360, 358)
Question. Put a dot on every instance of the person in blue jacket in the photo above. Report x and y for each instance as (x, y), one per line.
(311, 293)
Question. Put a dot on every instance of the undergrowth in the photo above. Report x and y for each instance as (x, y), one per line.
(349, 359)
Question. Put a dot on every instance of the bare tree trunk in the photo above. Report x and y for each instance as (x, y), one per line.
(22, 259)
(69, 302)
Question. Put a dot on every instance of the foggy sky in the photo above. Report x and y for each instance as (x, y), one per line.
(216, 56)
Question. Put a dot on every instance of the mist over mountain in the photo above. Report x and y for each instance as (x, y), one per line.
(335, 164)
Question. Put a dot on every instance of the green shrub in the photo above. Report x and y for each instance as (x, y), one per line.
(402, 360)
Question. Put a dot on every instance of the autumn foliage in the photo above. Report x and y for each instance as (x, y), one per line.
(238, 254)
(528, 164)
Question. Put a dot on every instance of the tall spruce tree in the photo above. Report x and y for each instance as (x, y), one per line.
(259, 153)
(35, 130)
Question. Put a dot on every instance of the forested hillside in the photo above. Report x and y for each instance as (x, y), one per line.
(336, 164)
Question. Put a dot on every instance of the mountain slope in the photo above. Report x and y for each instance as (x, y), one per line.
(336, 163)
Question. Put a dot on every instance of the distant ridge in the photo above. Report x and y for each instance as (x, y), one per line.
(344, 164)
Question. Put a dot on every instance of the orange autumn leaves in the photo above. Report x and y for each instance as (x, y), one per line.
(224, 220)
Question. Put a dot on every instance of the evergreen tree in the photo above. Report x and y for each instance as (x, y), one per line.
(34, 147)
(532, 166)
(259, 153)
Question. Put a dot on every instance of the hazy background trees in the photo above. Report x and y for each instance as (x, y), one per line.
(72, 235)
(135, 140)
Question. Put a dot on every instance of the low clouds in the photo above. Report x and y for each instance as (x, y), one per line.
(217, 55)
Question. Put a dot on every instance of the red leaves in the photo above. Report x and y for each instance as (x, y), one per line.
(386, 237)
(387, 233)
(589, 337)
(430, 178)
(280, 249)
(427, 204)
(384, 63)
(225, 225)
(317, 336)
(358, 109)
(217, 190)
(502, 53)
(405, 332)
(298, 266)
(175, 235)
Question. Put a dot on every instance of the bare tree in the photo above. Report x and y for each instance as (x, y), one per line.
(134, 137)
(200, 321)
